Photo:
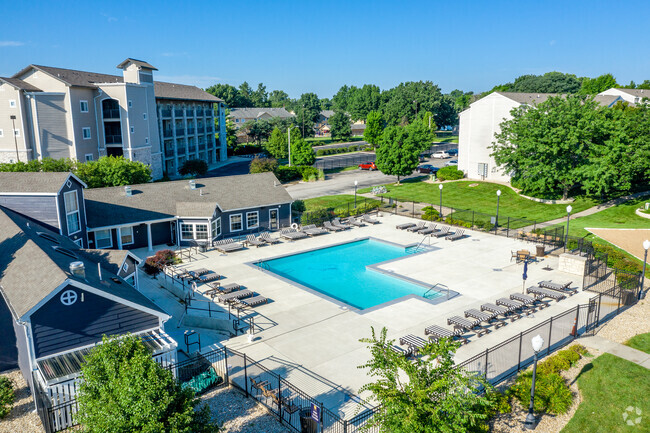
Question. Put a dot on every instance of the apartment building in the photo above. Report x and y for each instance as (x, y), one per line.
(239, 116)
(65, 113)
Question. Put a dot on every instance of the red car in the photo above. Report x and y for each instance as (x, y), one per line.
(367, 166)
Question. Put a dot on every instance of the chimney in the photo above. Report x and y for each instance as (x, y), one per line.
(77, 269)
(128, 191)
(192, 184)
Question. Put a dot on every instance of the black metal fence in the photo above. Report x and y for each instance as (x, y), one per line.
(350, 208)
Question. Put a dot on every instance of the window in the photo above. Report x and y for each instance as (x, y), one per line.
(83, 106)
(236, 223)
(72, 211)
(126, 234)
(86, 133)
(187, 233)
(79, 242)
(252, 220)
(17, 132)
(103, 239)
(482, 169)
(89, 157)
(236, 120)
(130, 104)
(201, 231)
(144, 115)
(146, 140)
(132, 130)
(216, 228)
(12, 103)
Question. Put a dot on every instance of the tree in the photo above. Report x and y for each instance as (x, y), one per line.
(364, 100)
(257, 130)
(245, 95)
(277, 144)
(193, 167)
(420, 134)
(425, 395)
(340, 126)
(404, 102)
(262, 165)
(228, 93)
(231, 131)
(124, 389)
(259, 97)
(550, 82)
(593, 86)
(341, 99)
(278, 98)
(307, 111)
(301, 151)
(374, 128)
(396, 154)
(113, 171)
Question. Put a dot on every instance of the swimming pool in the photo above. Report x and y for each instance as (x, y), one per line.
(345, 273)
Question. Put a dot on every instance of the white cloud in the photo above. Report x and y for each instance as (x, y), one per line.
(11, 44)
(202, 81)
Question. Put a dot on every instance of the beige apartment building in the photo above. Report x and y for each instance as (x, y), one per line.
(64, 113)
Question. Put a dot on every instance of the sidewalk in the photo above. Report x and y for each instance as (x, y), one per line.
(617, 349)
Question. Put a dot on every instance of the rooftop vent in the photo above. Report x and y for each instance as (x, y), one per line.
(49, 237)
(65, 252)
(77, 269)
(192, 184)
(128, 191)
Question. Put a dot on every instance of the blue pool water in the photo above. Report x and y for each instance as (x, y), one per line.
(340, 273)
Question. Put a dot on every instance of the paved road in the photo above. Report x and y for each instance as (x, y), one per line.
(235, 168)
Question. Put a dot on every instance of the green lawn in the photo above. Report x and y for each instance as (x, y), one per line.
(321, 141)
(640, 342)
(609, 386)
(481, 198)
(340, 201)
(341, 169)
(452, 139)
(621, 216)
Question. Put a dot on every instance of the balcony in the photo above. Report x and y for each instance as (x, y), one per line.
(201, 129)
(180, 132)
(189, 112)
(199, 112)
(168, 133)
(209, 128)
(202, 146)
(178, 112)
(192, 149)
(111, 113)
(113, 139)
(166, 112)
(190, 131)
(208, 113)
(169, 151)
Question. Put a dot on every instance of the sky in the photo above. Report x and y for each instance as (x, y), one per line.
(309, 46)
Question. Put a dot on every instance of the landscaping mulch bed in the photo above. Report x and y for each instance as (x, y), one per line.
(22, 417)
(626, 325)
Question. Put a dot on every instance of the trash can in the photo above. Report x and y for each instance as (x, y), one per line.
(307, 423)
(540, 251)
(203, 248)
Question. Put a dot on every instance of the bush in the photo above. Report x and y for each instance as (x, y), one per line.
(298, 206)
(7, 396)
(155, 264)
(552, 394)
(579, 349)
(193, 167)
(287, 174)
(317, 216)
(450, 173)
(308, 172)
(616, 259)
(430, 214)
(262, 165)
(321, 174)
(569, 356)
(320, 152)
(554, 364)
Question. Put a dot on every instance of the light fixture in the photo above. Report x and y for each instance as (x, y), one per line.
(440, 186)
(498, 192)
(537, 342)
(646, 244)
(569, 209)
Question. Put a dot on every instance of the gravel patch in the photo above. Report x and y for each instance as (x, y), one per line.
(22, 417)
(633, 321)
(237, 414)
(513, 422)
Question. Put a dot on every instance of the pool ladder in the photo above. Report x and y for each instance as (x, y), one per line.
(437, 287)
(418, 248)
(263, 265)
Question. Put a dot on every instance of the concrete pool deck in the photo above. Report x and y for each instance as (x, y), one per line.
(314, 343)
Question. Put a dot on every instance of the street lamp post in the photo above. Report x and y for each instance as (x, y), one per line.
(356, 182)
(440, 186)
(646, 245)
(303, 120)
(13, 123)
(537, 342)
(496, 220)
(568, 215)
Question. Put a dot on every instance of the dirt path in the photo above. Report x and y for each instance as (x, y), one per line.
(630, 240)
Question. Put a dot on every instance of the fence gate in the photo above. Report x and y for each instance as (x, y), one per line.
(592, 314)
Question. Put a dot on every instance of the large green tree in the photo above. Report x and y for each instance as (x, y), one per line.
(362, 101)
(125, 390)
(404, 102)
(113, 171)
(260, 98)
(228, 93)
(374, 128)
(307, 111)
(428, 394)
(301, 151)
(277, 144)
(593, 86)
(278, 98)
(340, 126)
(397, 155)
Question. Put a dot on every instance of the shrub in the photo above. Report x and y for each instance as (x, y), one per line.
(353, 148)
(154, 264)
(552, 394)
(616, 259)
(320, 152)
(321, 174)
(579, 349)
(7, 396)
(298, 206)
(194, 167)
(430, 214)
(262, 165)
(286, 173)
(554, 364)
(449, 173)
(317, 216)
(308, 172)
(569, 356)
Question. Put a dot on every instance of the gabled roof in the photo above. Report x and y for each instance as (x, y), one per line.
(607, 100)
(639, 93)
(327, 113)
(254, 113)
(140, 63)
(20, 84)
(527, 98)
(34, 182)
(110, 260)
(73, 77)
(182, 92)
(160, 200)
(31, 268)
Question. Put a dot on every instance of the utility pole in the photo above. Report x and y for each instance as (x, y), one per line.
(289, 134)
(303, 120)
(13, 123)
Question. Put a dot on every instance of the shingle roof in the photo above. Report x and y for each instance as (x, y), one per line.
(140, 63)
(159, 200)
(20, 84)
(32, 182)
(110, 260)
(184, 92)
(254, 113)
(327, 113)
(527, 98)
(607, 100)
(641, 93)
(30, 268)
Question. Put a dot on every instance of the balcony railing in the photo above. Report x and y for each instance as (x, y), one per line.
(189, 112)
(209, 128)
(181, 150)
(169, 151)
(113, 139)
(180, 132)
(168, 133)
(111, 113)
(190, 131)
(178, 112)
(166, 112)
(201, 129)
(199, 111)
(192, 149)
(202, 146)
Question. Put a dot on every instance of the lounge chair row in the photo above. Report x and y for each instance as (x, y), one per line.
(432, 230)
(236, 296)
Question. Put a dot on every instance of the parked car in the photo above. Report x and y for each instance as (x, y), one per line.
(367, 166)
(451, 162)
(427, 169)
(440, 154)
(452, 152)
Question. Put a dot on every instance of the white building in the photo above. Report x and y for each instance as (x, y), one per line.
(633, 96)
(481, 121)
